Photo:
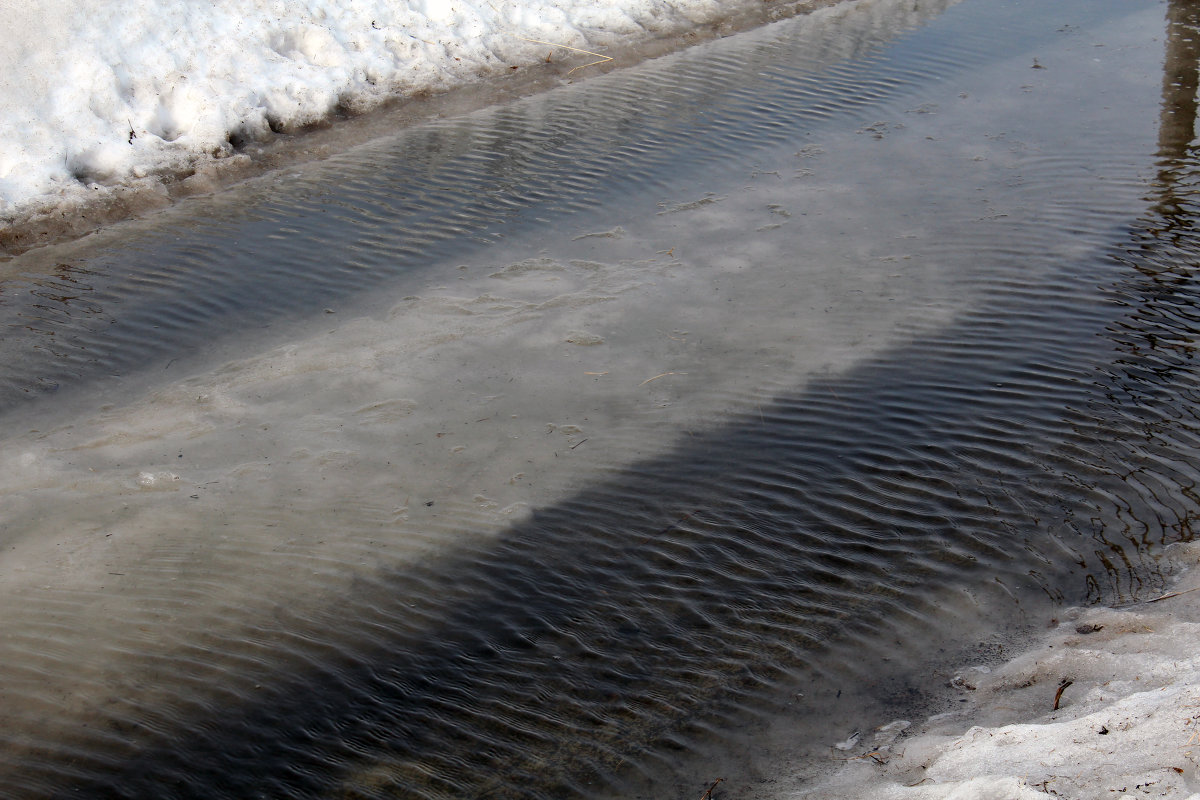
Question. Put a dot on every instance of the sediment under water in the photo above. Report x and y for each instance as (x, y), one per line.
(578, 447)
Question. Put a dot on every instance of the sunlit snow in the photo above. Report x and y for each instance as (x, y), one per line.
(97, 94)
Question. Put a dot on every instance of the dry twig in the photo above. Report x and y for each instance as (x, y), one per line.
(600, 58)
(1169, 595)
(661, 375)
(1061, 687)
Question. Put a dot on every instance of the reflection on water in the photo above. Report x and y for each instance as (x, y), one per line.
(1147, 393)
(1177, 125)
(723, 427)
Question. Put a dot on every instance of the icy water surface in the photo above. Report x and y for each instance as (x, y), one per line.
(665, 427)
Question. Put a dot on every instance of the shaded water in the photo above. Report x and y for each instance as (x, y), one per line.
(564, 448)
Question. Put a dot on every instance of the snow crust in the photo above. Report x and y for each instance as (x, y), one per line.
(99, 93)
(1127, 725)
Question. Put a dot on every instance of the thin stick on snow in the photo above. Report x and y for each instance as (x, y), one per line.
(601, 58)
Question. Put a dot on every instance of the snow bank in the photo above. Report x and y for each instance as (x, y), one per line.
(104, 93)
(1127, 725)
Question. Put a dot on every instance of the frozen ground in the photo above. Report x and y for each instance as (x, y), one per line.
(1127, 723)
(143, 95)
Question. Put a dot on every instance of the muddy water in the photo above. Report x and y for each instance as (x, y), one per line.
(669, 425)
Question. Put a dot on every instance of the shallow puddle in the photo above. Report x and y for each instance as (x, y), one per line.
(664, 427)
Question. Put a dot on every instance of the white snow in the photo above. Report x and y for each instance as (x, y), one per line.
(1128, 724)
(102, 93)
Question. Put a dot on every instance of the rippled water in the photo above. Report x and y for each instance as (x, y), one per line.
(664, 427)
